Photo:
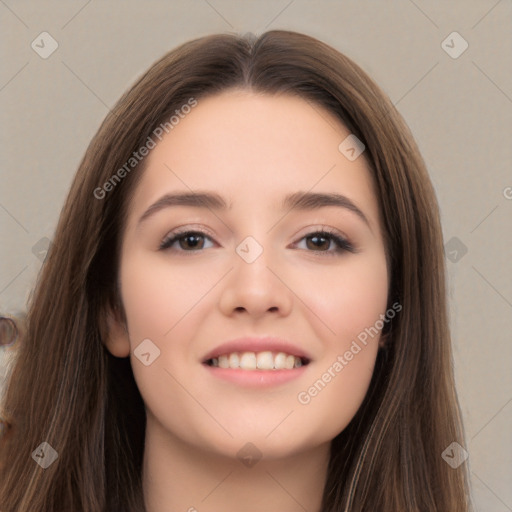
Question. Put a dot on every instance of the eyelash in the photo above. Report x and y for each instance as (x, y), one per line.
(342, 245)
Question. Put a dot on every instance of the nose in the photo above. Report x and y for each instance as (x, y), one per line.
(256, 288)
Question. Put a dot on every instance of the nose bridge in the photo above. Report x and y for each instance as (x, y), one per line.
(250, 250)
(252, 286)
(251, 264)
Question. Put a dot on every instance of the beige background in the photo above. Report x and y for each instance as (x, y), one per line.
(460, 111)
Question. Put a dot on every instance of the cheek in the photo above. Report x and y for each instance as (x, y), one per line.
(157, 295)
(163, 304)
(338, 389)
(350, 303)
(346, 300)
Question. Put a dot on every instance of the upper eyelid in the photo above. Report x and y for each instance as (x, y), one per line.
(187, 229)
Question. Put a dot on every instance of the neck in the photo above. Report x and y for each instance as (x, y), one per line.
(182, 478)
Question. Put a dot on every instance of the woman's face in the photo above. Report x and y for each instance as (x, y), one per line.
(252, 274)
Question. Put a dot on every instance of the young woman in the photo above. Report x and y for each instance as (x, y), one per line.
(244, 306)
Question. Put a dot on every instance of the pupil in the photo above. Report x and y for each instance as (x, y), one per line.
(192, 240)
(318, 240)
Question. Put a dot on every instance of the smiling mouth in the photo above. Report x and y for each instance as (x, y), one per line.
(265, 360)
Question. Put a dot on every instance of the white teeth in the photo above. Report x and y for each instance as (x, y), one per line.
(280, 361)
(265, 360)
(234, 361)
(248, 361)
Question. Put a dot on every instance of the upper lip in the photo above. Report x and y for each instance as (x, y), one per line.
(255, 344)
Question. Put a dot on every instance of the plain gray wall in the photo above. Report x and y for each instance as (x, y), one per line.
(459, 110)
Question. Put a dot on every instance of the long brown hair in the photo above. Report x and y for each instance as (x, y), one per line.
(67, 390)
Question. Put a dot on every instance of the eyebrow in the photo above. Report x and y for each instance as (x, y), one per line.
(295, 201)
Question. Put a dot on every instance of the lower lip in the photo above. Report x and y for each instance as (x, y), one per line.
(256, 378)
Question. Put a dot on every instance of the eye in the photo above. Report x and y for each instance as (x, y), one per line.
(327, 242)
(188, 241)
(323, 241)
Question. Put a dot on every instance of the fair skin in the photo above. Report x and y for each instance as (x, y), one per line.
(199, 292)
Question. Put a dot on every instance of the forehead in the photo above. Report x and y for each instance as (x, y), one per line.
(254, 149)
